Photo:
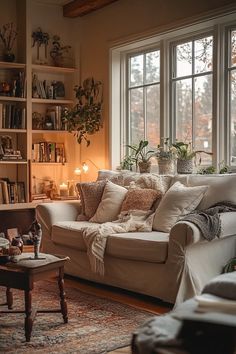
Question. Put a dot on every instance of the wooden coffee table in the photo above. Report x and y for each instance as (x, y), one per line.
(23, 274)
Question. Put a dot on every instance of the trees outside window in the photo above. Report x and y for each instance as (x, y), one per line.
(192, 93)
(144, 98)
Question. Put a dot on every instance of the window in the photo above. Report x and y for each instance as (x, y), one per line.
(192, 93)
(231, 71)
(144, 98)
(185, 90)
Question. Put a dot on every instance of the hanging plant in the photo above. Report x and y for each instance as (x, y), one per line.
(85, 118)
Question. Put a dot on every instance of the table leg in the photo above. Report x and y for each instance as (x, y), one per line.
(28, 313)
(9, 297)
(62, 295)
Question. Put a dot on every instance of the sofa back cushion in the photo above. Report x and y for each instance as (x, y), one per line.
(111, 202)
(178, 201)
(222, 187)
(140, 199)
(90, 196)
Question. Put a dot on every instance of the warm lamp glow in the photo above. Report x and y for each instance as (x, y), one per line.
(85, 167)
(77, 171)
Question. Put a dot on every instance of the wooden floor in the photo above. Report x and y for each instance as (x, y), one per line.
(138, 301)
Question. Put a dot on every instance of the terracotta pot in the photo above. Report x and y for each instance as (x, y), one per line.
(184, 166)
(144, 167)
(165, 167)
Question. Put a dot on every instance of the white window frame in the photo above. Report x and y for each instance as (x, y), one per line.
(118, 100)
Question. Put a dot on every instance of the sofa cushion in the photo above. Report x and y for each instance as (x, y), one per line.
(221, 187)
(111, 202)
(90, 196)
(140, 199)
(140, 246)
(69, 234)
(179, 200)
(223, 286)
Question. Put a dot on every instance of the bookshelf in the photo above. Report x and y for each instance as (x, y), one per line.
(31, 117)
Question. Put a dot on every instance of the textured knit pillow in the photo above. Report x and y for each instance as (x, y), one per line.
(110, 205)
(90, 195)
(179, 200)
(140, 199)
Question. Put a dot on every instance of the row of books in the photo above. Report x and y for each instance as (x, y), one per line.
(54, 115)
(12, 116)
(48, 152)
(11, 192)
(47, 89)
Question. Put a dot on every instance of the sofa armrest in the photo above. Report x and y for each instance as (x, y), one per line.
(49, 213)
(185, 233)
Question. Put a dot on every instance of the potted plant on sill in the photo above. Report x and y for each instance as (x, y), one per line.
(185, 155)
(166, 155)
(85, 118)
(141, 157)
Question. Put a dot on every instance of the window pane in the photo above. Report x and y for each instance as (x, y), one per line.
(153, 115)
(233, 48)
(203, 117)
(203, 54)
(233, 117)
(136, 71)
(184, 59)
(183, 110)
(152, 67)
(136, 116)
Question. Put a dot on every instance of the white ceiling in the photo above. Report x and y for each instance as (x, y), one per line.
(54, 2)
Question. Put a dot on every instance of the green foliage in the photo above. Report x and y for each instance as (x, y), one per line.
(230, 266)
(223, 168)
(207, 170)
(140, 153)
(184, 151)
(127, 163)
(167, 151)
(85, 118)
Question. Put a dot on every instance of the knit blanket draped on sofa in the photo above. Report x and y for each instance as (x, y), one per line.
(208, 221)
(95, 236)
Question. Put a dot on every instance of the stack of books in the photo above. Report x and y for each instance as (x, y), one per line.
(11, 192)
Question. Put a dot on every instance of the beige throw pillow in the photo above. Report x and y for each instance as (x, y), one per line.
(178, 201)
(110, 205)
(90, 196)
(140, 199)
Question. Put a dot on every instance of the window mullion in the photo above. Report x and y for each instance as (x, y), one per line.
(144, 98)
(193, 95)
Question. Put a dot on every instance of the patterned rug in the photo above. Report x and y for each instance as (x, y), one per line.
(96, 325)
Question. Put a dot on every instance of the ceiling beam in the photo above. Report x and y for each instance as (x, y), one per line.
(83, 7)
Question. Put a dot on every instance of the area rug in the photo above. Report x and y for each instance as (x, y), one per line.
(96, 325)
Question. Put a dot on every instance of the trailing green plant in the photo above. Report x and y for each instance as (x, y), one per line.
(223, 168)
(127, 163)
(85, 118)
(139, 152)
(207, 170)
(184, 151)
(58, 50)
(166, 151)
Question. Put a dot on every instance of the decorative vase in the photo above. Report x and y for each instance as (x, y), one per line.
(166, 166)
(8, 56)
(144, 167)
(184, 166)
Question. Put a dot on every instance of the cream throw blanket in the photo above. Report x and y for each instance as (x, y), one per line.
(95, 236)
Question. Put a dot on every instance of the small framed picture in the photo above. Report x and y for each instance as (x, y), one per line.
(12, 233)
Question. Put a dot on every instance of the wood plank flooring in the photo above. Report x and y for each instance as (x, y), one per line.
(135, 300)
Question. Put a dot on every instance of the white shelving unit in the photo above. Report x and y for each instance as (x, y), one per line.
(26, 15)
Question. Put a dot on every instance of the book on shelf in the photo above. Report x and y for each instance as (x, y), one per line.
(11, 192)
(15, 86)
(48, 152)
(12, 116)
(46, 89)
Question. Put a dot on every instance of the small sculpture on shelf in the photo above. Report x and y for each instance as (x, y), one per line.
(8, 35)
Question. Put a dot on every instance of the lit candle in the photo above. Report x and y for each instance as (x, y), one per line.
(77, 171)
(63, 190)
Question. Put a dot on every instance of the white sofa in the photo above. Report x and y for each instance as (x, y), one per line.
(170, 266)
